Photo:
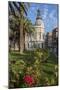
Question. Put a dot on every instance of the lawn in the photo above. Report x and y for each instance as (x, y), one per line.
(33, 69)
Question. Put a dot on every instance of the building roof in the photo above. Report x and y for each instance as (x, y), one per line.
(39, 21)
(55, 29)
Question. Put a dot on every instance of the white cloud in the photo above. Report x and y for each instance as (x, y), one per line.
(50, 18)
(45, 12)
(52, 14)
(53, 18)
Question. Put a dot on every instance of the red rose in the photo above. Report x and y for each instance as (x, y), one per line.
(28, 80)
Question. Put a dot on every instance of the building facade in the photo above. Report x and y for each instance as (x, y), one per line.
(51, 40)
(55, 41)
(48, 40)
(36, 39)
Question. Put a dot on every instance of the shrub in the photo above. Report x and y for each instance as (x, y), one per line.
(28, 70)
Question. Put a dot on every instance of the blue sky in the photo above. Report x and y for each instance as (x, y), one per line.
(48, 13)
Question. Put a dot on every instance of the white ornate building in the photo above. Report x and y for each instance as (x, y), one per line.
(36, 39)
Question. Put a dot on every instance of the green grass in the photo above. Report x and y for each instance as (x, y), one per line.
(45, 71)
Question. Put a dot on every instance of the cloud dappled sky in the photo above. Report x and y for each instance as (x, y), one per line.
(49, 14)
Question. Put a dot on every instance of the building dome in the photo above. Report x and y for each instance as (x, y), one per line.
(39, 22)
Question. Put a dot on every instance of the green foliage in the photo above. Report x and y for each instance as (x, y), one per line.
(40, 54)
(31, 63)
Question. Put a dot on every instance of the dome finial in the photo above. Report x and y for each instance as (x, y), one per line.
(38, 14)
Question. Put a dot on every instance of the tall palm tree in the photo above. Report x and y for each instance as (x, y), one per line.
(14, 29)
(19, 9)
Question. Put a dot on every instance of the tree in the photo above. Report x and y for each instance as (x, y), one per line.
(21, 10)
(13, 31)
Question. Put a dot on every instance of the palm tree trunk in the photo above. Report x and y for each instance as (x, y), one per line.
(24, 39)
(21, 36)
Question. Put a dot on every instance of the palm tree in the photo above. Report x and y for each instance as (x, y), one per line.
(13, 30)
(21, 8)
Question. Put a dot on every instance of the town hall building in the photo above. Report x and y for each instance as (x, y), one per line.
(36, 39)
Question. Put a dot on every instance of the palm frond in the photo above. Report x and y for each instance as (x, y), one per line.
(23, 7)
(16, 5)
(11, 8)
